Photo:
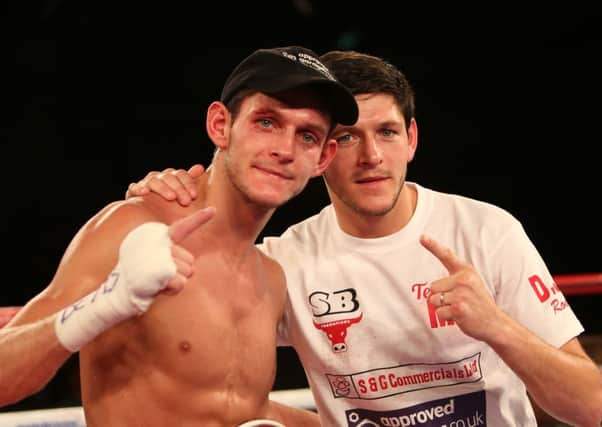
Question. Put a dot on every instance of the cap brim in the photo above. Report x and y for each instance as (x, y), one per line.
(269, 72)
(342, 102)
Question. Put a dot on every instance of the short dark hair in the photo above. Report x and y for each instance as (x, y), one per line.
(362, 73)
(233, 105)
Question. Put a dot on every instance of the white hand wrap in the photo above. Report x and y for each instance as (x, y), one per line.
(144, 268)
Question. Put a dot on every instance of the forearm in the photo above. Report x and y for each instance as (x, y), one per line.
(30, 355)
(290, 416)
(566, 384)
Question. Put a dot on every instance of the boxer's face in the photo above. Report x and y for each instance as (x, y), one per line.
(369, 170)
(275, 144)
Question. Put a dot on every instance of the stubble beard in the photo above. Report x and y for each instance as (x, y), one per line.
(373, 212)
(236, 177)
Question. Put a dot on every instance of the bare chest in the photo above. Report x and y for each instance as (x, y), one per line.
(220, 302)
(217, 335)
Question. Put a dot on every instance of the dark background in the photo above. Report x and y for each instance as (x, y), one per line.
(100, 93)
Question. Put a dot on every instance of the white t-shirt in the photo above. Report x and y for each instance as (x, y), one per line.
(375, 353)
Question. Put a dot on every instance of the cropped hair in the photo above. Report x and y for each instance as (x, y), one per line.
(363, 74)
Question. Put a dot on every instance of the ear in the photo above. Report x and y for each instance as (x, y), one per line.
(218, 124)
(328, 151)
(412, 139)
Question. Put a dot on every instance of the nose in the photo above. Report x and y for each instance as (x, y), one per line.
(283, 148)
(370, 152)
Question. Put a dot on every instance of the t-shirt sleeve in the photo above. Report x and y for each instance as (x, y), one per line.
(525, 289)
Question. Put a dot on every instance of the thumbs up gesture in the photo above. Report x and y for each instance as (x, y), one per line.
(183, 259)
(152, 261)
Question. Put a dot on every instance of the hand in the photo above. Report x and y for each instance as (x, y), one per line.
(462, 296)
(171, 184)
(151, 261)
(183, 259)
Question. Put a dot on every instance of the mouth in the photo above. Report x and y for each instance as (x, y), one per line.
(273, 172)
(371, 179)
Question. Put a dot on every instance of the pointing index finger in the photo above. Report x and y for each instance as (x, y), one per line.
(449, 260)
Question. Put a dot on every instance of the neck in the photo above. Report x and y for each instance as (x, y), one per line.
(238, 221)
(366, 226)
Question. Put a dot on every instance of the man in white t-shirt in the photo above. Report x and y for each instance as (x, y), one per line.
(411, 307)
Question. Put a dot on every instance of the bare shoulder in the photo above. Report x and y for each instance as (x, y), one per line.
(115, 220)
(88, 259)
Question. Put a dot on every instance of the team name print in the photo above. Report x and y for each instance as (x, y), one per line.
(545, 293)
(106, 288)
(423, 292)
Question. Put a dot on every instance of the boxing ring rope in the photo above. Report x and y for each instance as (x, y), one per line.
(569, 284)
(579, 284)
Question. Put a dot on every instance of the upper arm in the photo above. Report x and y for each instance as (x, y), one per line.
(87, 261)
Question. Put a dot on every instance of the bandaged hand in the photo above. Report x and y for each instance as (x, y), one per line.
(150, 262)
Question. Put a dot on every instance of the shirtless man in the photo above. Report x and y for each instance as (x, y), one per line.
(205, 356)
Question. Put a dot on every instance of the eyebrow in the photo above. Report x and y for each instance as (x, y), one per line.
(387, 123)
(264, 110)
(391, 123)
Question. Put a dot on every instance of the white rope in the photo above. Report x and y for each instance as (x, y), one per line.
(300, 398)
(59, 417)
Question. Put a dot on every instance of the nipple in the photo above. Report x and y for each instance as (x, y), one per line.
(185, 346)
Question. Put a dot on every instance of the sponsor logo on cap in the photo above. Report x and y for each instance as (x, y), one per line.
(311, 62)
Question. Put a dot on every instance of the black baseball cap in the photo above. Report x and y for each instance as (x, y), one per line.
(283, 68)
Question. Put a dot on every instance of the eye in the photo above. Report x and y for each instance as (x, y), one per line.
(388, 133)
(346, 139)
(266, 123)
(309, 138)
